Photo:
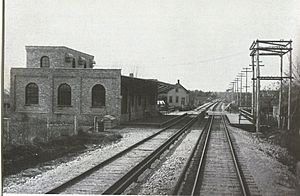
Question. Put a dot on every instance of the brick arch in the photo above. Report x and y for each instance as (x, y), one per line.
(64, 95)
(45, 61)
(98, 95)
(31, 93)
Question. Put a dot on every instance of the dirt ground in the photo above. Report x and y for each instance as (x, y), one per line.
(19, 157)
(286, 140)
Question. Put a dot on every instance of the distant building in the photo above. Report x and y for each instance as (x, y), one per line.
(175, 95)
(60, 85)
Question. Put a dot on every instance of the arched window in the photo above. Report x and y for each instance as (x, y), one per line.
(31, 94)
(45, 62)
(64, 95)
(98, 96)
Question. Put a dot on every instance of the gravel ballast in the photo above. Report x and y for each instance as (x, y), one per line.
(164, 179)
(271, 176)
(39, 180)
(261, 158)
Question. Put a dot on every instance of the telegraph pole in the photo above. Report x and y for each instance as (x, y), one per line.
(280, 94)
(237, 91)
(232, 95)
(254, 96)
(257, 90)
(290, 87)
(247, 70)
(253, 91)
(241, 87)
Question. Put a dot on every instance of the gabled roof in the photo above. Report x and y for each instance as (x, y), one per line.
(163, 87)
(139, 85)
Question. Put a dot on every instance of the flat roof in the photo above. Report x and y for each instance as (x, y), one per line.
(55, 47)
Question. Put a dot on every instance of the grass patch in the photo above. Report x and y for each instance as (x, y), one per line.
(20, 157)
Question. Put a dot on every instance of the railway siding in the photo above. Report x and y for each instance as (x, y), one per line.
(162, 179)
(98, 181)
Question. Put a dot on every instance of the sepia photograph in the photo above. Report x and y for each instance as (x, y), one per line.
(150, 97)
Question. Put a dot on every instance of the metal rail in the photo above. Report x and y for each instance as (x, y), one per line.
(196, 183)
(135, 172)
(197, 179)
(241, 177)
(207, 126)
(78, 178)
(72, 181)
(178, 187)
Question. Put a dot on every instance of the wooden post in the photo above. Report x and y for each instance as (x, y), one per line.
(241, 91)
(95, 124)
(253, 91)
(237, 92)
(257, 89)
(246, 96)
(8, 132)
(47, 132)
(75, 124)
(280, 94)
(290, 89)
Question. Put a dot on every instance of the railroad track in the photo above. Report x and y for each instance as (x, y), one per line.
(212, 168)
(114, 175)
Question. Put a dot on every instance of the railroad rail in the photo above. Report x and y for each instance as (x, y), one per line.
(123, 182)
(212, 167)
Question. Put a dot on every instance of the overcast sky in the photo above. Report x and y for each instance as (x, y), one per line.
(204, 43)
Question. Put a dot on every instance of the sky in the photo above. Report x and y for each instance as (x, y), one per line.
(203, 43)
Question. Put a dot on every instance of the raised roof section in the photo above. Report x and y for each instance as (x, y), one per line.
(57, 57)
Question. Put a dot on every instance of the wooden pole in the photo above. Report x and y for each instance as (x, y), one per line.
(253, 91)
(237, 91)
(290, 89)
(280, 94)
(257, 89)
(241, 92)
(246, 95)
(247, 70)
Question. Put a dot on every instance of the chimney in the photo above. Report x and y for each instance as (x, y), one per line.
(131, 75)
(178, 81)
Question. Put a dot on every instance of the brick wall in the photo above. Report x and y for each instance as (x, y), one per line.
(57, 56)
(81, 82)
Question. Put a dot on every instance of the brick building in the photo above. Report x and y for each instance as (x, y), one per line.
(60, 85)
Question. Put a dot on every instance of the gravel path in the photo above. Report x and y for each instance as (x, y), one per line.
(41, 179)
(270, 176)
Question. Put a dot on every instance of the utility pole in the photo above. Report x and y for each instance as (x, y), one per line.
(232, 83)
(253, 90)
(290, 88)
(257, 89)
(237, 91)
(253, 102)
(247, 70)
(241, 87)
(280, 94)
